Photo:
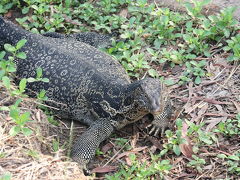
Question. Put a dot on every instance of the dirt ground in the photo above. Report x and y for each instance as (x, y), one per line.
(214, 6)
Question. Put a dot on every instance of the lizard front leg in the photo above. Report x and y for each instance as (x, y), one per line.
(85, 147)
(161, 121)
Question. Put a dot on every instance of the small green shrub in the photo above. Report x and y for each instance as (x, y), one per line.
(229, 128)
(140, 170)
(7, 67)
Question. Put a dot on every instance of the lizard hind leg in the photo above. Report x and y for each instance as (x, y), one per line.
(85, 146)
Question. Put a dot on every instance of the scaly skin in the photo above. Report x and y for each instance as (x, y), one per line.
(91, 38)
(87, 85)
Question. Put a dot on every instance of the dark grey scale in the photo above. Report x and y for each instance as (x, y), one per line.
(87, 85)
(94, 39)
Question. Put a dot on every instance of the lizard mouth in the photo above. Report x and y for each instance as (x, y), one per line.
(157, 112)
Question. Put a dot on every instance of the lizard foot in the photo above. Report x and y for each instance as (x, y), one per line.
(161, 121)
(155, 129)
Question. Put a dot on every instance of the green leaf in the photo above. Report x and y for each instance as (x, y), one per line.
(153, 72)
(25, 10)
(2, 73)
(205, 2)
(55, 145)
(21, 55)
(227, 48)
(189, 8)
(34, 7)
(14, 113)
(206, 53)
(17, 102)
(39, 72)
(21, 43)
(151, 51)
(11, 69)
(4, 108)
(41, 95)
(189, 25)
(26, 131)
(31, 79)
(2, 54)
(163, 152)
(176, 149)
(68, 3)
(226, 33)
(206, 140)
(179, 122)
(9, 48)
(22, 85)
(222, 156)
(6, 82)
(233, 157)
(198, 80)
(191, 56)
(46, 80)
(24, 118)
(14, 130)
(7, 175)
(169, 82)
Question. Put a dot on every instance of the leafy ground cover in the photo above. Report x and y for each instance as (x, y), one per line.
(197, 56)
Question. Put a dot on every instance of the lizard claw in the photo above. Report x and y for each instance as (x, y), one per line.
(155, 130)
(86, 171)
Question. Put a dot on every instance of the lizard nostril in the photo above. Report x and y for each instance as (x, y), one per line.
(155, 106)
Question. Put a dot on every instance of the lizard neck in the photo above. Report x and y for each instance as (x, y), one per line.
(133, 106)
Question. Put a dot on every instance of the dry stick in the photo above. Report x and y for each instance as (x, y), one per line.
(70, 139)
(116, 154)
(6, 99)
(231, 74)
(203, 174)
(203, 84)
(156, 4)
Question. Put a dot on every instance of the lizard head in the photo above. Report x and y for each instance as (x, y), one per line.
(153, 95)
(147, 96)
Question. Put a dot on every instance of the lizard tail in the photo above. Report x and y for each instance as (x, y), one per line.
(1, 20)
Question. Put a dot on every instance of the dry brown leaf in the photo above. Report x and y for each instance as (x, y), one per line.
(203, 108)
(146, 35)
(237, 106)
(135, 150)
(213, 122)
(104, 169)
(107, 147)
(9, 14)
(124, 13)
(134, 140)
(38, 116)
(179, 159)
(155, 142)
(128, 161)
(153, 149)
(186, 148)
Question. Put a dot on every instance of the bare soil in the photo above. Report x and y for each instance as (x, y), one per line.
(214, 7)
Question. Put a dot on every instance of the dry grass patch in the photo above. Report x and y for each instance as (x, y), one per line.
(31, 157)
